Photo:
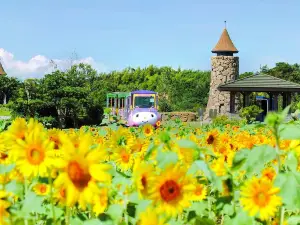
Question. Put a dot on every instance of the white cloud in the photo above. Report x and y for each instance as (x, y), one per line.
(39, 65)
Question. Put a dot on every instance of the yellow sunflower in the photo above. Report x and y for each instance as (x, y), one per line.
(150, 217)
(259, 196)
(34, 154)
(143, 173)
(269, 173)
(122, 137)
(147, 130)
(41, 189)
(4, 158)
(218, 166)
(172, 190)
(60, 196)
(100, 201)
(15, 131)
(123, 158)
(4, 204)
(81, 171)
(141, 145)
(4, 151)
(186, 155)
(211, 138)
(277, 222)
(199, 193)
(54, 136)
(4, 179)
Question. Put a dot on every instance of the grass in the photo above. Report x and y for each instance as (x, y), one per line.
(4, 111)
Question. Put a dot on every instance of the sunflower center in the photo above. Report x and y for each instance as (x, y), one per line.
(170, 190)
(147, 131)
(144, 181)
(261, 199)
(35, 156)
(198, 191)
(21, 135)
(78, 175)
(43, 188)
(56, 142)
(62, 193)
(125, 157)
(210, 139)
(3, 155)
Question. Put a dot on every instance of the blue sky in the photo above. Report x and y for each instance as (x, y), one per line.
(116, 34)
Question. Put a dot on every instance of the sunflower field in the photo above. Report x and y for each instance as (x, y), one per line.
(175, 174)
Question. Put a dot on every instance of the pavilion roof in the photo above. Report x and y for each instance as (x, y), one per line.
(260, 83)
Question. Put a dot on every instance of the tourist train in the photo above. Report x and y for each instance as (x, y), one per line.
(135, 108)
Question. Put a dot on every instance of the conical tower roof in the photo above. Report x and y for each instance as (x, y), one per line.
(2, 72)
(225, 44)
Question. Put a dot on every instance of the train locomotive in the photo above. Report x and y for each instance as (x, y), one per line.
(136, 108)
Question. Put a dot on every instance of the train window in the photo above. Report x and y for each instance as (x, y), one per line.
(144, 101)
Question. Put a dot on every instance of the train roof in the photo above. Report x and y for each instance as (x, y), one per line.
(118, 94)
(143, 92)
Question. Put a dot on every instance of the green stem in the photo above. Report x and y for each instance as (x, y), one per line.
(279, 168)
(25, 193)
(67, 216)
(281, 215)
(278, 155)
(51, 198)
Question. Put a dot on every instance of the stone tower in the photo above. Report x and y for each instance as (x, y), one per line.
(224, 68)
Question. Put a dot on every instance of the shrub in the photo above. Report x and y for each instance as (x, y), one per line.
(165, 106)
(223, 120)
(250, 113)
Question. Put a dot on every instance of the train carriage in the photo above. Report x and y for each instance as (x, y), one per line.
(136, 108)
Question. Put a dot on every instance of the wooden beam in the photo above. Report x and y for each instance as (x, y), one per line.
(276, 102)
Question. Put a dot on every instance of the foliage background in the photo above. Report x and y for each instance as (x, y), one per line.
(77, 96)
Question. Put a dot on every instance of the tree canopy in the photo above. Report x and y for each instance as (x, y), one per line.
(77, 96)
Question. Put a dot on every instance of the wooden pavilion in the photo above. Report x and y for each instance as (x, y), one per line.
(273, 86)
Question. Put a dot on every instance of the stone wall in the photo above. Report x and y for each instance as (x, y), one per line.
(224, 69)
(183, 116)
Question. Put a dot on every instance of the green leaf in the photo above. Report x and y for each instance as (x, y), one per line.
(201, 208)
(102, 132)
(216, 181)
(165, 137)
(289, 189)
(191, 215)
(204, 221)
(6, 168)
(241, 218)
(289, 132)
(32, 203)
(58, 211)
(187, 144)
(142, 206)
(75, 221)
(239, 159)
(291, 161)
(166, 158)
(15, 187)
(151, 148)
(293, 220)
(258, 157)
(115, 211)
(97, 222)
